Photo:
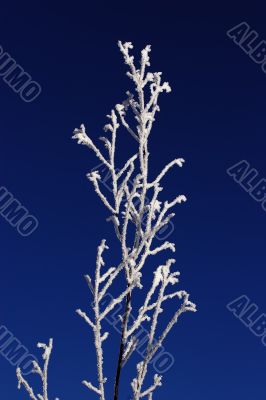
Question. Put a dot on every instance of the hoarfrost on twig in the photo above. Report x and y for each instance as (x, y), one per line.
(42, 372)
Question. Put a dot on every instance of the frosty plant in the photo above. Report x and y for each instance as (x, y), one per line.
(128, 207)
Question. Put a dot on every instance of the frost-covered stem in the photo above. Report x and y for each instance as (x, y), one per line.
(186, 306)
(115, 125)
(143, 156)
(122, 346)
(177, 161)
(23, 382)
(96, 326)
(43, 373)
(152, 348)
(128, 298)
(97, 329)
(46, 357)
(99, 315)
(142, 117)
(144, 365)
(142, 310)
(110, 280)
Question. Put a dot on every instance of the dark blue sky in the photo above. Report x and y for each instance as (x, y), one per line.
(214, 118)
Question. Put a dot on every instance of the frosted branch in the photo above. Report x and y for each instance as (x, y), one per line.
(151, 389)
(82, 138)
(92, 387)
(164, 246)
(94, 177)
(43, 373)
(83, 315)
(177, 161)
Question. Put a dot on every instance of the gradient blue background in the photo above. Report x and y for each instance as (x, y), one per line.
(214, 117)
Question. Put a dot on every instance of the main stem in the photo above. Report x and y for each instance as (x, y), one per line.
(121, 347)
(143, 156)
